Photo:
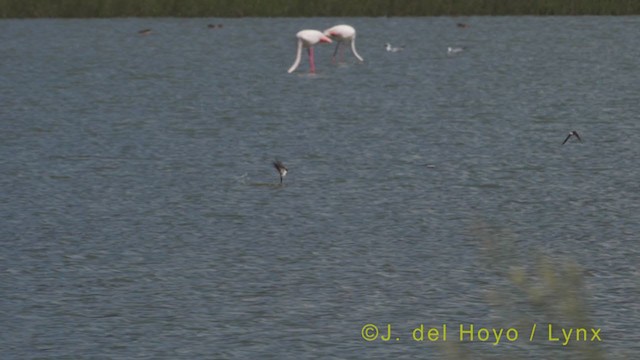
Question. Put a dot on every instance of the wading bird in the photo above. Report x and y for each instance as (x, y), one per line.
(572, 133)
(282, 170)
(307, 39)
(343, 34)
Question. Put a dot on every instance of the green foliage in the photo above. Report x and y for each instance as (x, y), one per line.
(532, 287)
(305, 8)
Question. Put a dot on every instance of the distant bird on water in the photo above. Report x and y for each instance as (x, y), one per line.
(572, 133)
(144, 32)
(282, 170)
(389, 48)
(454, 50)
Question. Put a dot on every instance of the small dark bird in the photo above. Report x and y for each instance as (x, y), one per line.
(144, 32)
(572, 133)
(282, 170)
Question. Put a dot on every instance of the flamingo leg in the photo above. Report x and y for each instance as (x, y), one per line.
(312, 65)
(333, 58)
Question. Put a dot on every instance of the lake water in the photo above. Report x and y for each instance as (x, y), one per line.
(142, 217)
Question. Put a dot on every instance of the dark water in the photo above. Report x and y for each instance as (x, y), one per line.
(142, 218)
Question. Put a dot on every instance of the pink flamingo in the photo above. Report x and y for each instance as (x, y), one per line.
(308, 38)
(343, 34)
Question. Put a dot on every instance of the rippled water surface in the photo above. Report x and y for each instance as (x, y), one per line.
(142, 217)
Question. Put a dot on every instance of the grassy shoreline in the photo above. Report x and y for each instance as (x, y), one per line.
(306, 8)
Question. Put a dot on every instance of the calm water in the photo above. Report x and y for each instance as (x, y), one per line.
(141, 215)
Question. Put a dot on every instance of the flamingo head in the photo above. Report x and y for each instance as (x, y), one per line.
(325, 39)
(335, 35)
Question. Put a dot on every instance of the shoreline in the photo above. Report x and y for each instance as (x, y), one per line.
(23, 9)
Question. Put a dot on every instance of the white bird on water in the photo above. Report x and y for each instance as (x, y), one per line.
(454, 50)
(389, 48)
(343, 34)
(307, 39)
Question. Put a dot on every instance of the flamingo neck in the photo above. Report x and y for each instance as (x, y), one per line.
(353, 49)
(296, 63)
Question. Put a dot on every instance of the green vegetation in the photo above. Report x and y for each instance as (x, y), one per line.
(531, 287)
(303, 8)
(548, 291)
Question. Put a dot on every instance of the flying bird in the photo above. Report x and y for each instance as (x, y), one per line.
(343, 34)
(282, 170)
(392, 49)
(307, 39)
(572, 133)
